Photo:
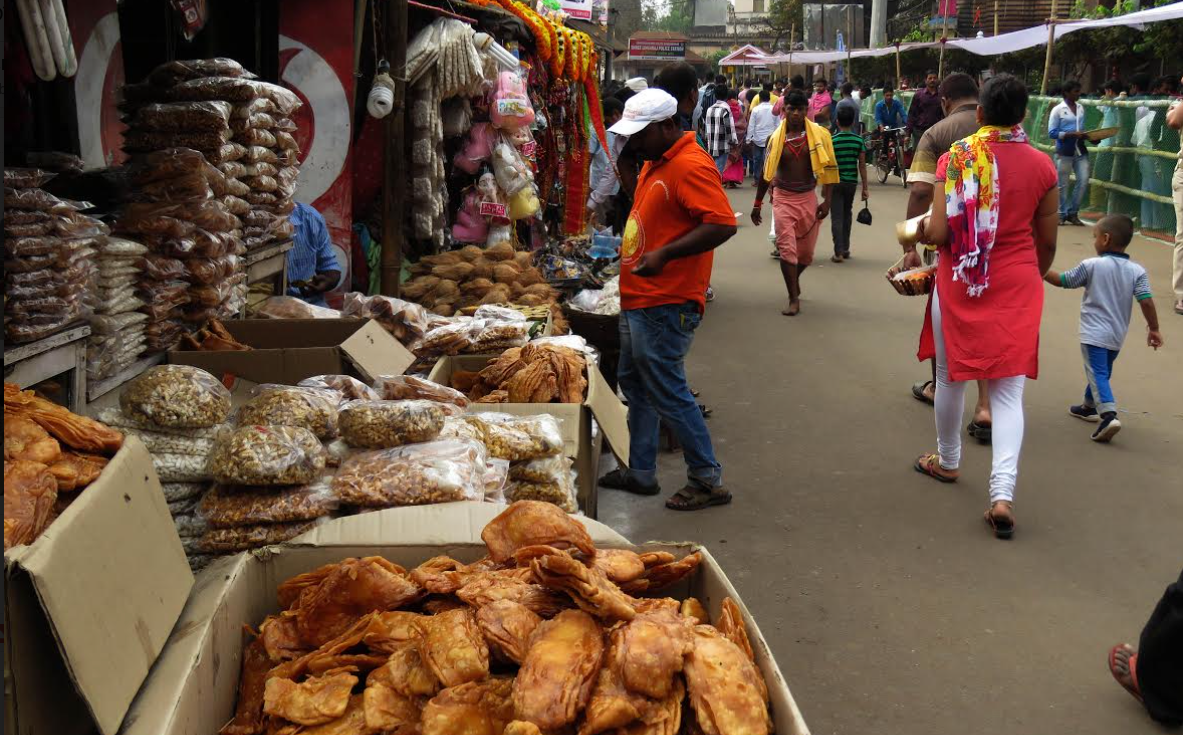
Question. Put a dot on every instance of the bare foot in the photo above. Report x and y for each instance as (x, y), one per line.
(1122, 664)
(930, 391)
(793, 309)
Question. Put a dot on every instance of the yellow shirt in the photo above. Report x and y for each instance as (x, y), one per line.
(821, 152)
(753, 101)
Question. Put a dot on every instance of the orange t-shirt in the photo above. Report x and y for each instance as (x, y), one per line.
(674, 195)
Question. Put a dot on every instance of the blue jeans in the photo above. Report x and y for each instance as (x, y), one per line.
(1066, 165)
(651, 373)
(758, 161)
(1098, 368)
(721, 162)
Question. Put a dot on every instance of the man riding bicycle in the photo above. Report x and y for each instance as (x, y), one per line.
(889, 112)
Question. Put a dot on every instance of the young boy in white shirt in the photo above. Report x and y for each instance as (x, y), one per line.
(1111, 283)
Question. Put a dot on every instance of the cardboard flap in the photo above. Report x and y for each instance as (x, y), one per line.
(610, 413)
(373, 351)
(425, 525)
(112, 578)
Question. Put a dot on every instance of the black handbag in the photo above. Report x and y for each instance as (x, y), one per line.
(864, 216)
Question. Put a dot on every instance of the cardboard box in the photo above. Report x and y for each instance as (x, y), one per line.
(288, 350)
(194, 686)
(580, 443)
(90, 603)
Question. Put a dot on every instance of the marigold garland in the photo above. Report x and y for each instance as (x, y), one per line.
(558, 61)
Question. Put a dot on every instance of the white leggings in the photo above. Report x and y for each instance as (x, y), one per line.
(1006, 412)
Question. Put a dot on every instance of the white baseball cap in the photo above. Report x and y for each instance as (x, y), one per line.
(637, 84)
(644, 107)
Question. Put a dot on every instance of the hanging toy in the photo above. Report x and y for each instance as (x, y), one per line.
(470, 226)
(511, 107)
(477, 148)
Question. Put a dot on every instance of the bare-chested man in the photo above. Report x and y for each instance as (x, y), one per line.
(800, 156)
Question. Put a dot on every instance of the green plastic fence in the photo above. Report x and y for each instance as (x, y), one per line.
(1130, 172)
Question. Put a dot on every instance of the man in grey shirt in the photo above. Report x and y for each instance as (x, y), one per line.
(1111, 283)
(849, 101)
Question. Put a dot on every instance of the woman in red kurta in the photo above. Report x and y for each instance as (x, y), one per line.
(997, 236)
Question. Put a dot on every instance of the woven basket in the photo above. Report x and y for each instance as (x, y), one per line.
(914, 281)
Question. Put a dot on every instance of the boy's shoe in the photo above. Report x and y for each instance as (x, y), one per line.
(1075, 220)
(846, 255)
(1085, 413)
(1108, 428)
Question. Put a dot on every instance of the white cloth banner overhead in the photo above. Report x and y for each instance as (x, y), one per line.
(1004, 43)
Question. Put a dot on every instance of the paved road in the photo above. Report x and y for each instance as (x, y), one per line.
(889, 606)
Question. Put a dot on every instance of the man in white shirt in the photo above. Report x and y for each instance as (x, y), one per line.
(760, 129)
(604, 182)
(1175, 122)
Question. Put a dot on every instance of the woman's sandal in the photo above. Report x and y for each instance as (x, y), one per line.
(982, 432)
(918, 391)
(1131, 685)
(928, 464)
(693, 498)
(1004, 528)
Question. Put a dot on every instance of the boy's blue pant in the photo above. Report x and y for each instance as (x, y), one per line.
(1098, 368)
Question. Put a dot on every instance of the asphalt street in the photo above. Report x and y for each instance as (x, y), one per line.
(889, 606)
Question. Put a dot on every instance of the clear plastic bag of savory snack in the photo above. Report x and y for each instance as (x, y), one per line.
(518, 438)
(238, 505)
(112, 324)
(177, 397)
(432, 472)
(35, 199)
(243, 538)
(314, 409)
(496, 475)
(255, 136)
(543, 470)
(161, 268)
(290, 307)
(137, 141)
(267, 455)
(26, 178)
(380, 424)
(163, 335)
(349, 388)
(241, 123)
(561, 493)
(174, 72)
(407, 387)
(183, 116)
(262, 105)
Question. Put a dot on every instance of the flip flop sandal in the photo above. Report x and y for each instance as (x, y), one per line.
(690, 498)
(694, 393)
(982, 432)
(1004, 530)
(924, 465)
(706, 412)
(918, 391)
(1132, 689)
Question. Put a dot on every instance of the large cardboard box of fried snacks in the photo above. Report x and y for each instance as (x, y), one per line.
(89, 605)
(193, 688)
(288, 350)
(581, 443)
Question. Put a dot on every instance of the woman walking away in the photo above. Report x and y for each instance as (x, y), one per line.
(734, 173)
(997, 237)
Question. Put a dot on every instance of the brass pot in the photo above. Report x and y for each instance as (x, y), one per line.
(908, 231)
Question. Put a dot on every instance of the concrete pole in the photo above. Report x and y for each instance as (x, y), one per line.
(878, 23)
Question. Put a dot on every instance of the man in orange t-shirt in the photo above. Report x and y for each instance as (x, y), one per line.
(680, 215)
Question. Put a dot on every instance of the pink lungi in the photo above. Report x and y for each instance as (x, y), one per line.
(796, 225)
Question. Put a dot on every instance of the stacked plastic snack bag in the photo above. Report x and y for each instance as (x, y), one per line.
(49, 257)
(117, 326)
(178, 412)
(533, 446)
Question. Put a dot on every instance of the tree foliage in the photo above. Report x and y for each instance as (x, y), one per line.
(786, 19)
(676, 16)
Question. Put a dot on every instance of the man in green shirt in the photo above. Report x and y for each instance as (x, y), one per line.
(851, 151)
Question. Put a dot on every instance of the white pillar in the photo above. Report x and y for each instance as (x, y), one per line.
(878, 23)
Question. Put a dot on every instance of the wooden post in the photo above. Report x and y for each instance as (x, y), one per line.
(944, 37)
(897, 63)
(1047, 61)
(995, 17)
(395, 173)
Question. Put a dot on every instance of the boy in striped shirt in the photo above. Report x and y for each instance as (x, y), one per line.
(851, 151)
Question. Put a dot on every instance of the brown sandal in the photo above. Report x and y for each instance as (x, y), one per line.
(927, 464)
(1004, 528)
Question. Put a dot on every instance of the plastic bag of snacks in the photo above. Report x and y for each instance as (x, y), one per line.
(351, 389)
(243, 538)
(228, 505)
(379, 424)
(177, 397)
(267, 455)
(518, 438)
(407, 387)
(402, 319)
(433, 472)
(283, 405)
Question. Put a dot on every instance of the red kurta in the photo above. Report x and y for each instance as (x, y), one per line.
(996, 335)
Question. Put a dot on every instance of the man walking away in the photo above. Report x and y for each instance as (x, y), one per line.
(851, 152)
(760, 128)
(719, 129)
(959, 105)
(1065, 125)
(680, 215)
(1175, 122)
(849, 101)
(925, 110)
(800, 158)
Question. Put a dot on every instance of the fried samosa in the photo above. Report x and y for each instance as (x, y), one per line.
(587, 586)
(311, 702)
(475, 708)
(559, 670)
(30, 492)
(453, 648)
(531, 522)
(727, 692)
(507, 627)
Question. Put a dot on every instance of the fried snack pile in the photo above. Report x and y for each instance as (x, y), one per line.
(537, 638)
(50, 453)
(530, 374)
(472, 276)
(213, 337)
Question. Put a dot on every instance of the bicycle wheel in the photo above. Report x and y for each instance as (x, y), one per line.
(883, 166)
(904, 177)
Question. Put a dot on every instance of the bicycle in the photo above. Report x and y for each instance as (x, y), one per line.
(889, 148)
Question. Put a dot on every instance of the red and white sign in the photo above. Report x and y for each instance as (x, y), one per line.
(578, 9)
(316, 62)
(493, 209)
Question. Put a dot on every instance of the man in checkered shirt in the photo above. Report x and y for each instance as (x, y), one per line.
(719, 129)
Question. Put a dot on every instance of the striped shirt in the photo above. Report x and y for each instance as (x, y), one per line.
(847, 146)
(312, 253)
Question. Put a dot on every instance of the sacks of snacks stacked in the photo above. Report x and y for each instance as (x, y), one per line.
(472, 276)
(50, 455)
(257, 148)
(533, 446)
(117, 326)
(49, 258)
(178, 412)
(192, 270)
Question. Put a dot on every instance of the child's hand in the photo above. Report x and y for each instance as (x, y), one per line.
(1154, 338)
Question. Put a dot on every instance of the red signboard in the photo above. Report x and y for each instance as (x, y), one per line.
(316, 62)
(656, 49)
